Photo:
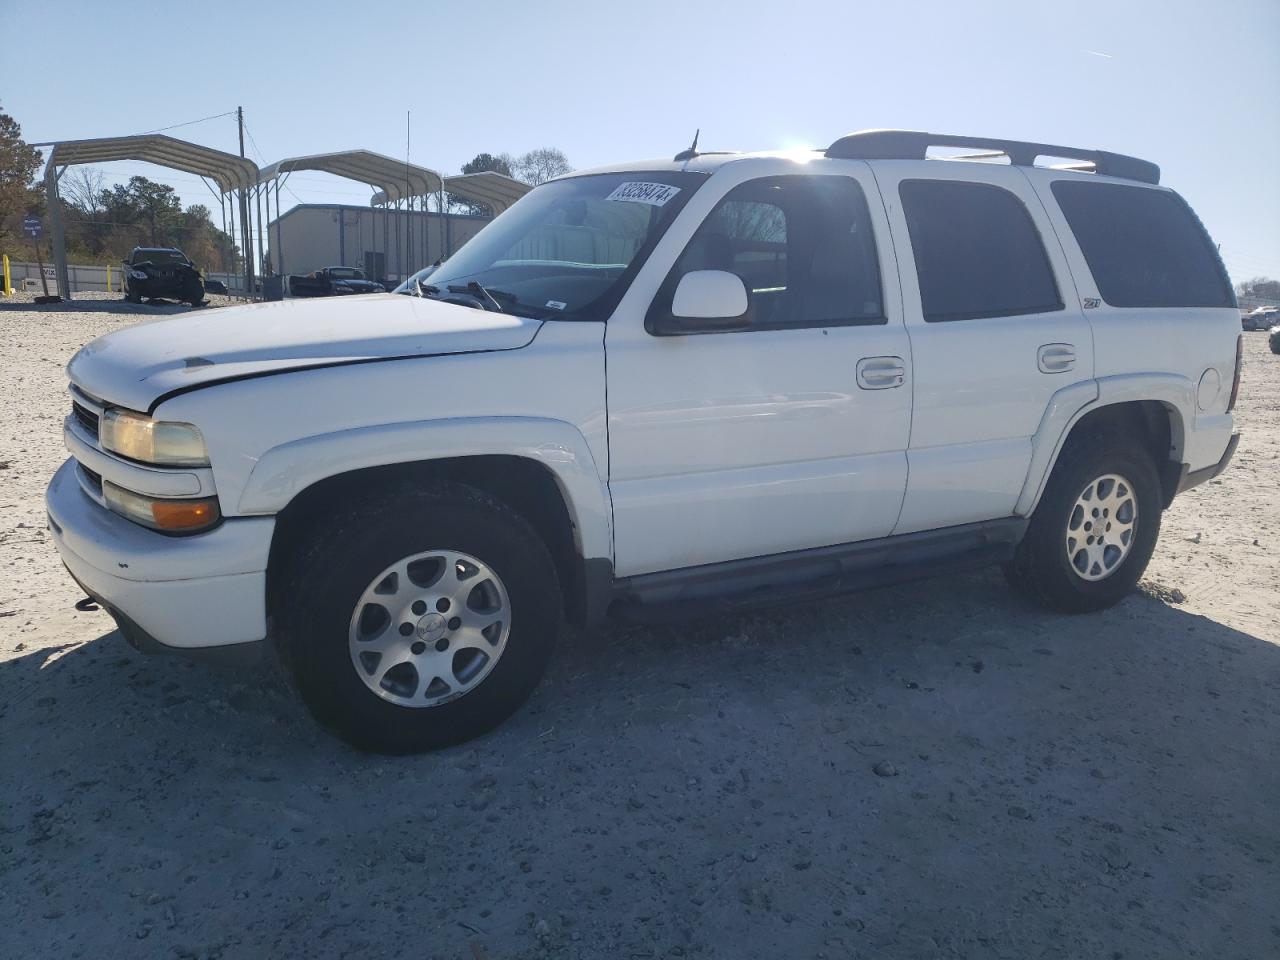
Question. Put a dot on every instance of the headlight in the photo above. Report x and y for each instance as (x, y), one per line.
(137, 274)
(152, 441)
(167, 516)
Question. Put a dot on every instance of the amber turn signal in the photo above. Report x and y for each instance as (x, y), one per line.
(183, 515)
(167, 516)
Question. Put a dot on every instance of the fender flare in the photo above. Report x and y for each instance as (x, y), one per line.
(1071, 404)
(286, 470)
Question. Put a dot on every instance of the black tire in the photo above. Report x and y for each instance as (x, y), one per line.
(1041, 569)
(338, 560)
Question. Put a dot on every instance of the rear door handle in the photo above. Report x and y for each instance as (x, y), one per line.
(881, 373)
(1056, 357)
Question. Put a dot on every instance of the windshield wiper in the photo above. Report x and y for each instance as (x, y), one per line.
(485, 294)
(426, 289)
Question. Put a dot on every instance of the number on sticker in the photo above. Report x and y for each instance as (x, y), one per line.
(636, 191)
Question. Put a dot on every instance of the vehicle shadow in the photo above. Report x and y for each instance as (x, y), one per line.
(934, 769)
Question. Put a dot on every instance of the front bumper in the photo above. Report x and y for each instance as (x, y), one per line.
(207, 590)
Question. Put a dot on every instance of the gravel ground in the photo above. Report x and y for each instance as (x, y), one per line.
(932, 770)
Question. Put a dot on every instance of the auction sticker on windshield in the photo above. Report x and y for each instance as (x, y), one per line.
(636, 191)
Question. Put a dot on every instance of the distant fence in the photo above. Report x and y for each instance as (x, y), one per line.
(1252, 303)
(94, 279)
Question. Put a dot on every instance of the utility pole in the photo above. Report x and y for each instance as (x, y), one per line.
(246, 238)
(408, 114)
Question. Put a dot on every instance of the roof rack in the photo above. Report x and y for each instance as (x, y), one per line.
(914, 145)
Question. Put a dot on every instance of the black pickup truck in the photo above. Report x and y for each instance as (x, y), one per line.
(161, 272)
(333, 282)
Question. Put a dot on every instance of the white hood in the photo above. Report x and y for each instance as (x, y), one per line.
(136, 366)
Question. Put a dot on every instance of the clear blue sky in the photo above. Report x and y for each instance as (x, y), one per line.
(1192, 85)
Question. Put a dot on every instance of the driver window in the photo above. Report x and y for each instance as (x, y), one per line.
(803, 247)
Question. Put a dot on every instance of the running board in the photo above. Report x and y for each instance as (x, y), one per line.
(813, 574)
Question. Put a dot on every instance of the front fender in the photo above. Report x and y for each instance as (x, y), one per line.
(286, 470)
(1070, 404)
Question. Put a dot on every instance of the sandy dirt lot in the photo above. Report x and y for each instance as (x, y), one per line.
(1102, 786)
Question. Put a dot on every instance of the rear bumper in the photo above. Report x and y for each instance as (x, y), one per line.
(1193, 478)
(207, 590)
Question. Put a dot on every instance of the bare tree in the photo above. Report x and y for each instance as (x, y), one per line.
(1263, 288)
(539, 166)
(83, 188)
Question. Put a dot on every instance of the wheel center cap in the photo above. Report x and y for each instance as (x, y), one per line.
(431, 627)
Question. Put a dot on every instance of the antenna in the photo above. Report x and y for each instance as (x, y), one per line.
(693, 148)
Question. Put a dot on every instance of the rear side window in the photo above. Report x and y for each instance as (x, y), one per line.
(1144, 247)
(977, 251)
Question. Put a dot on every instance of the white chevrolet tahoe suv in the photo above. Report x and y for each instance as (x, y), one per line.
(696, 384)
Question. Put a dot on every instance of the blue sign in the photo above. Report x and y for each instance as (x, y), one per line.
(33, 227)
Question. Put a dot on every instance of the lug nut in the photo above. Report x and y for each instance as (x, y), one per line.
(442, 604)
(442, 645)
(419, 608)
(418, 648)
(406, 629)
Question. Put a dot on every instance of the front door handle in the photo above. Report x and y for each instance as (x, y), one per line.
(881, 373)
(1056, 357)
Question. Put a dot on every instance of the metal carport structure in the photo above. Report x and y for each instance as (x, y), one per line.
(229, 172)
(495, 190)
(396, 181)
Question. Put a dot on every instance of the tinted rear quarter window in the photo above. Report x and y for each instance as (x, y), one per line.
(977, 252)
(1144, 247)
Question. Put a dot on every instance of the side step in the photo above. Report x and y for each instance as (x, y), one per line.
(800, 575)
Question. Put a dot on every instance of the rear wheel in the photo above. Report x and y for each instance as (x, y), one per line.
(1095, 528)
(420, 621)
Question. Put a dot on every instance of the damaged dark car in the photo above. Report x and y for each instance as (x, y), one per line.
(333, 282)
(162, 273)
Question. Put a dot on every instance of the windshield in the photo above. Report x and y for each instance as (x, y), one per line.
(159, 256)
(345, 273)
(568, 248)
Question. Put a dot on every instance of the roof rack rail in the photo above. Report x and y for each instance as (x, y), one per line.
(914, 145)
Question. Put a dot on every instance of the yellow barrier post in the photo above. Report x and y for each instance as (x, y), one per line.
(108, 278)
(8, 281)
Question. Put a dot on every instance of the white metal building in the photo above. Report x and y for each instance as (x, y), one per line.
(311, 236)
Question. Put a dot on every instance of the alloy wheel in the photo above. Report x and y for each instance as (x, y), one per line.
(429, 628)
(1101, 527)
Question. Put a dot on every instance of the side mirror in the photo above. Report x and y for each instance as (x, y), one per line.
(705, 301)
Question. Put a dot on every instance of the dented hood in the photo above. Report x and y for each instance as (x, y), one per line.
(138, 365)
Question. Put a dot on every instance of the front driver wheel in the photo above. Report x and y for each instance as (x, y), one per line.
(419, 621)
(1095, 528)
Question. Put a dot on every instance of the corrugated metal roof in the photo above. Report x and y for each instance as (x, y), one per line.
(494, 190)
(393, 178)
(226, 169)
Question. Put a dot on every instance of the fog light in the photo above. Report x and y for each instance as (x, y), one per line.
(167, 516)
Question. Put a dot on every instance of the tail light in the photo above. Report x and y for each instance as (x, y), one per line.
(1235, 383)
